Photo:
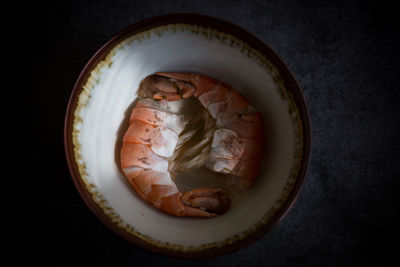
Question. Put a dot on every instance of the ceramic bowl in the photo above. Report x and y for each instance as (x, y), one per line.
(101, 102)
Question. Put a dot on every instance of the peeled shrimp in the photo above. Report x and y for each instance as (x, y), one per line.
(227, 138)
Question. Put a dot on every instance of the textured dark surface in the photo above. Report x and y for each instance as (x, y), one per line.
(345, 56)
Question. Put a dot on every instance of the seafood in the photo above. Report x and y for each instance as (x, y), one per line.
(226, 136)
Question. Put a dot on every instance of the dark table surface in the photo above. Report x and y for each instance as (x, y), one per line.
(345, 56)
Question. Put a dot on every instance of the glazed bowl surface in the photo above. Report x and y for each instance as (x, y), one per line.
(98, 114)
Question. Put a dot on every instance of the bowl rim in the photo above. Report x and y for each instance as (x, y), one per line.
(225, 26)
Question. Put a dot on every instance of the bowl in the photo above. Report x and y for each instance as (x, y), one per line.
(98, 114)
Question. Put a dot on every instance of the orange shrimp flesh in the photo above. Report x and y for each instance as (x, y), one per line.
(227, 138)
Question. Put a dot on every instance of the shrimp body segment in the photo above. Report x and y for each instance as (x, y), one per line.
(159, 142)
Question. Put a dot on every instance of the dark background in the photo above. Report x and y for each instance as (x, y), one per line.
(345, 56)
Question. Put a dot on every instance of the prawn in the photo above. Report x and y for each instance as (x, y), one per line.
(227, 138)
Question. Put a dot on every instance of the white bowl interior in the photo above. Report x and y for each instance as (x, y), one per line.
(108, 103)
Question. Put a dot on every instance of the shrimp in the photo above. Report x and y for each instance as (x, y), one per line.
(226, 137)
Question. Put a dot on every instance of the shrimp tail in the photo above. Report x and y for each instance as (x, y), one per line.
(213, 200)
(163, 88)
(201, 83)
(200, 202)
